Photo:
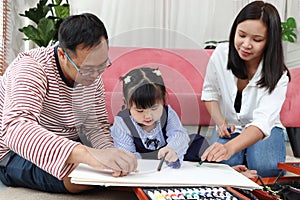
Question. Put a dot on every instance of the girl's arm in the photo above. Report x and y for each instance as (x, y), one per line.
(178, 138)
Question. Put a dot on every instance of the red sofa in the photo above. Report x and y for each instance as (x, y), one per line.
(290, 112)
(183, 71)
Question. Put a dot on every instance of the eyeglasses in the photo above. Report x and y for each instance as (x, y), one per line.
(101, 68)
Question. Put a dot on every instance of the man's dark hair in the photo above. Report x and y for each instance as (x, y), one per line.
(86, 29)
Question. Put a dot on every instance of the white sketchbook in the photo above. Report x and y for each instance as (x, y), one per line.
(190, 174)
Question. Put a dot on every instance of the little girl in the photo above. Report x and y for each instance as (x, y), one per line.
(147, 127)
(150, 129)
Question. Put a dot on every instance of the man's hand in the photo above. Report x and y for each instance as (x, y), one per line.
(121, 162)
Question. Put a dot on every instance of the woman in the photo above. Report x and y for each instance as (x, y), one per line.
(244, 90)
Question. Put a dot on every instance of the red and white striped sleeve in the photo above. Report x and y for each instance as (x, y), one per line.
(26, 88)
(101, 137)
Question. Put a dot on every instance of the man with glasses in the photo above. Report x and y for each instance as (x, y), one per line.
(53, 113)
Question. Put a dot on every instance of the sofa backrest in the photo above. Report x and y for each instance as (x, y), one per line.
(290, 112)
(183, 71)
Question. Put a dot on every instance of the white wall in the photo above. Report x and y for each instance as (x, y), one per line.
(162, 23)
(172, 23)
(16, 41)
(293, 50)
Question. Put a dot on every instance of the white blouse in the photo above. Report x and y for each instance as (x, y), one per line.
(258, 108)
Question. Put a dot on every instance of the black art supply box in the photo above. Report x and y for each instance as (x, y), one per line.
(285, 187)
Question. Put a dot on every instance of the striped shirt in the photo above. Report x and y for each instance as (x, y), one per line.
(43, 115)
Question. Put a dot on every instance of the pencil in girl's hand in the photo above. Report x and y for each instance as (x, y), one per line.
(161, 163)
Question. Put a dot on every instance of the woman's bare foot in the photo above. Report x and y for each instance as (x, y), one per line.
(245, 171)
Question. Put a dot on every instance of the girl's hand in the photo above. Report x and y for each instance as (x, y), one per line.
(225, 130)
(174, 165)
(171, 154)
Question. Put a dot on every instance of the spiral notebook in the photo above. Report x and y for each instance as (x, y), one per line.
(190, 174)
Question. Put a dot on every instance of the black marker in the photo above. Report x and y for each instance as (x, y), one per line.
(161, 163)
(205, 161)
(200, 162)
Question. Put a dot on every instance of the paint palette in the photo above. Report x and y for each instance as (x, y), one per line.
(168, 193)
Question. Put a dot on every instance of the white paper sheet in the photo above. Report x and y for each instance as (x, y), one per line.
(190, 174)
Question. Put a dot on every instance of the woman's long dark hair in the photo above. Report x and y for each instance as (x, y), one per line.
(273, 58)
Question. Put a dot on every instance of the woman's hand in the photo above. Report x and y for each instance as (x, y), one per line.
(217, 152)
(224, 130)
